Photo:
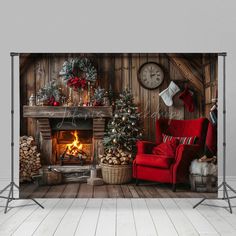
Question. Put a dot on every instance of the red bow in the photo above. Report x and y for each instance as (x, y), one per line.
(76, 83)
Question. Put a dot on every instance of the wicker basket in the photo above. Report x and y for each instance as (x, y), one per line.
(116, 174)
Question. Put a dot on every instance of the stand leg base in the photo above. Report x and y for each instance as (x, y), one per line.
(225, 196)
(11, 197)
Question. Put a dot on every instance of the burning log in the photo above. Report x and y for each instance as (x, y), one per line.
(74, 151)
(29, 158)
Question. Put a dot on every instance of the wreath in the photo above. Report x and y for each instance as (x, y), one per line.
(77, 72)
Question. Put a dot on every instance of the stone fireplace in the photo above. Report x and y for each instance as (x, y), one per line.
(69, 135)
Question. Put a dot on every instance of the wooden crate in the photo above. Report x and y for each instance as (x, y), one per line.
(201, 183)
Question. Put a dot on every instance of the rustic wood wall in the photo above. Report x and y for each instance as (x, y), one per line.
(119, 72)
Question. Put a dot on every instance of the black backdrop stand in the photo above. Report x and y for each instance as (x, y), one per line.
(226, 187)
(12, 184)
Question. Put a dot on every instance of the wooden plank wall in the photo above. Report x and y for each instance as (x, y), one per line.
(116, 72)
(210, 69)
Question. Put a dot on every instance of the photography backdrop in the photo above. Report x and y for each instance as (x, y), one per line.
(120, 26)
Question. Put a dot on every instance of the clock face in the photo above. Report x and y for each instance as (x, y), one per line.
(150, 75)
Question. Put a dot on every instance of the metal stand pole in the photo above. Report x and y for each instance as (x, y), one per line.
(224, 184)
(12, 184)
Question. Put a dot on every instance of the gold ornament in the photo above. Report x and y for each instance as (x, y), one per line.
(124, 118)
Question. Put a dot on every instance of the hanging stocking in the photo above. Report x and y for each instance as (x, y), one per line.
(168, 94)
(187, 97)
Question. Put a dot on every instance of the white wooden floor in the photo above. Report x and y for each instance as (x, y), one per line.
(118, 217)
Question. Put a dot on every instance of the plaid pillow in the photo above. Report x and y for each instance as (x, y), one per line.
(182, 140)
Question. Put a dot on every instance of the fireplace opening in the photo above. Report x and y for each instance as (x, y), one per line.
(72, 147)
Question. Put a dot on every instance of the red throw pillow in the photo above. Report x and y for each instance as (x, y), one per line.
(167, 149)
(182, 140)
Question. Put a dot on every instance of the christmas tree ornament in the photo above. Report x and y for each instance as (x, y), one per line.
(113, 131)
(129, 111)
(168, 94)
(56, 103)
(133, 123)
(116, 115)
(124, 118)
(187, 97)
(112, 122)
(114, 140)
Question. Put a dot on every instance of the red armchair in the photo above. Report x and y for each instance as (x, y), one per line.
(160, 168)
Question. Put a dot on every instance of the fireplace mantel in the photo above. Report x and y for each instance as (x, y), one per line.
(67, 112)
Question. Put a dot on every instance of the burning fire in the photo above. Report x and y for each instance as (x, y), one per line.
(75, 147)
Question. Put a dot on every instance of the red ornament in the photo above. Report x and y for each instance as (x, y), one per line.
(56, 103)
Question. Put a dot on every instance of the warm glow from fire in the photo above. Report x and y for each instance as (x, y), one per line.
(75, 147)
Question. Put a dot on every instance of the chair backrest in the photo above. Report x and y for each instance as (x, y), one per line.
(182, 128)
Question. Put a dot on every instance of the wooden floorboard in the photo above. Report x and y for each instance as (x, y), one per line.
(118, 217)
(126, 191)
(55, 191)
(71, 190)
(115, 191)
(39, 192)
(83, 190)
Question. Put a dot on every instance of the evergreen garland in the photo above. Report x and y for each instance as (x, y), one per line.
(50, 91)
(98, 96)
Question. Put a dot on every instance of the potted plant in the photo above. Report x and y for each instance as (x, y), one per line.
(123, 131)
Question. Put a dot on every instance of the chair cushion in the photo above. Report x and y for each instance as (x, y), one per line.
(167, 148)
(182, 140)
(159, 161)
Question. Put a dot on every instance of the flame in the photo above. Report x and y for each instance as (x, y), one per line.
(75, 147)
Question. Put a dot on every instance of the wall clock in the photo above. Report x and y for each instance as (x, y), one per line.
(150, 75)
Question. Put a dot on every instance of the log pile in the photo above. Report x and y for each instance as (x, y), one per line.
(29, 158)
(116, 157)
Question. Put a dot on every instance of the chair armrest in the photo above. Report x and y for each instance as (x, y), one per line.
(185, 154)
(144, 147)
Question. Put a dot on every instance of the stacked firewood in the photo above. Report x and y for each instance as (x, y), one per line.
(29, 158)
(116, 157)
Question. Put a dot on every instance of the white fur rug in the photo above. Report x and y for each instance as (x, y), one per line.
(203, 168)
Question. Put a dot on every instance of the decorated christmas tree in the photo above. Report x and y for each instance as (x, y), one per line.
(123, 129)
